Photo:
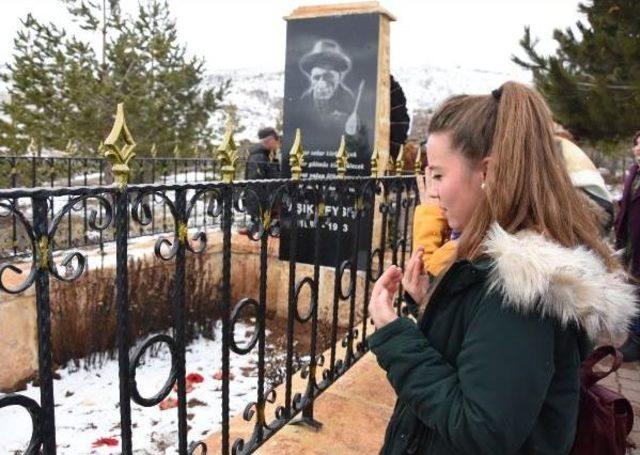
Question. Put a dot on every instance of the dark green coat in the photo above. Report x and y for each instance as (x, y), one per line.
(492, 366)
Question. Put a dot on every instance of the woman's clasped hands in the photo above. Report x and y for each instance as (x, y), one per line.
(413, 280)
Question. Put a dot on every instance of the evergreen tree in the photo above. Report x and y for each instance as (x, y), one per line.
(62, 90)
(592, 83)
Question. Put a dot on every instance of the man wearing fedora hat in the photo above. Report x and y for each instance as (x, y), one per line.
(327, 96)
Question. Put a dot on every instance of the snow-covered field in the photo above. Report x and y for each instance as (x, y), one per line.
(87, 403)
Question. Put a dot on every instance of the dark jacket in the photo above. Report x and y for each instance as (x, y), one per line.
(627, 223)
(492, 366)
(259, 166)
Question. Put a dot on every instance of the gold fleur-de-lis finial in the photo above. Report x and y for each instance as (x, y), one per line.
(176, 151)
(417, 165)
(119, 157)
(196, 151)
(374, 161)
(400, 160)
(296, 156)
(227, 154)
(154, 150)
(341, 158)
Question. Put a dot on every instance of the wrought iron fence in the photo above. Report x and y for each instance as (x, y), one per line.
(397, 200)
(116, 206)
(21, 171)
(33, 171)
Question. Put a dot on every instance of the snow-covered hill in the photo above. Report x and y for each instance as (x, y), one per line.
(258, 95)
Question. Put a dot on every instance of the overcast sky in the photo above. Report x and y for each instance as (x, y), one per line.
(251, 33)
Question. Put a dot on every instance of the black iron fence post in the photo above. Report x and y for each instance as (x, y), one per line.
(307, 412)
(153, 199)
(395, 238)
(334, 364)
(100, 214)
(378, 252)
(33, 172)
(227, 198)
(405, 205)
(355, 229)
(45, 373)
(69, 220)
(291, 308)
(14, 233)
(312, 387)
(261, 320)
(122, 306)
(84, 202)
(179, 319)
(52, 178)
(164, 206)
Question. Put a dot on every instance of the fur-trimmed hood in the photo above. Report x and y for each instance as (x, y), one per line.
(571, 285)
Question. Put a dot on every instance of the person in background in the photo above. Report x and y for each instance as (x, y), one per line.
(627, 227)
(588, 180)
(262, 164)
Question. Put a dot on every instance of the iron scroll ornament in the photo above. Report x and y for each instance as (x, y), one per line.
(42, 257)
(138, 355)
(34, 411)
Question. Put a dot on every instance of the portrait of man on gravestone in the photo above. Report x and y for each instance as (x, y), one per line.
(331, 88)
(331, 102)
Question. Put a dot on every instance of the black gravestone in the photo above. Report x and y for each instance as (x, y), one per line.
(330, 90)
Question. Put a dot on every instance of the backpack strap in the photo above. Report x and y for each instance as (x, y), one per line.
(590, 377)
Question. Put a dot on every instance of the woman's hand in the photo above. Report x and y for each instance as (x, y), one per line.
(415, 281)
(424, 188)
(381, 304)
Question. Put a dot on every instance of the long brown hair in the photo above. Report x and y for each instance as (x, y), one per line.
(527, 184)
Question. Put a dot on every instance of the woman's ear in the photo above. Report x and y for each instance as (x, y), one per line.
(485, 163)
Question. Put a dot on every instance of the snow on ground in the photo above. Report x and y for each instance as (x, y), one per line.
(87, 406)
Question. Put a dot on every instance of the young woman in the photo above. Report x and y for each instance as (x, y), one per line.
(492, 365)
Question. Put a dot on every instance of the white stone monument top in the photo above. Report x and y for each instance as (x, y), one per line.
(340, 9)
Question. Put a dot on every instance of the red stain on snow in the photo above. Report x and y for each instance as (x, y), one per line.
(195, 378)
(102, 442)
